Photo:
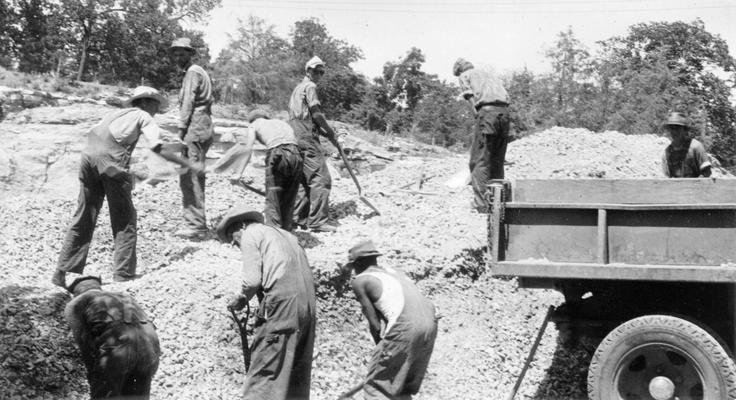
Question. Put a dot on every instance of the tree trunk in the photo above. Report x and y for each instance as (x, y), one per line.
(83, 56)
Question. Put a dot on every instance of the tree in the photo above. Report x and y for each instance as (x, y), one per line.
(9, 29)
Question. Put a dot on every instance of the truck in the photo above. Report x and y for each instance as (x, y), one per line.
(646, 266)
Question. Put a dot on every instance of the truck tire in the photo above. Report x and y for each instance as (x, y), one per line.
(661, 357)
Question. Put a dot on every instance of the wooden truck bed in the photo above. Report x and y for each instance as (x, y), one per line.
(631, 229)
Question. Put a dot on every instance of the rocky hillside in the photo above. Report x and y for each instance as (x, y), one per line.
(487, 324)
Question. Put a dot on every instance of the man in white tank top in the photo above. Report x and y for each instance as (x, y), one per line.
(404, 346)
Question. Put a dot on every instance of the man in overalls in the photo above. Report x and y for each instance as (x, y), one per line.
(305, 116)
(283, 164)
(275, 268)
(103, 172)
(685, 157)
(119, 345)
(196, 130)
(403, 350)
(492, 123)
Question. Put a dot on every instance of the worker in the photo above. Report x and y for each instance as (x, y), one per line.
(283, 164)
(387, 296)
(104, 172)
(491, 128)
(196, 130)
(684, 157)
(305, 116)
(119, 345)
(275, 268)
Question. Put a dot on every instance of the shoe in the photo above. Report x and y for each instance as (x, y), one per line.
(324, 228)
(191, 233)
(59, 279)
(121, 278)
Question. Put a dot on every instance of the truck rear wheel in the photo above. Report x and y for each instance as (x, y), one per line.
(661, 357)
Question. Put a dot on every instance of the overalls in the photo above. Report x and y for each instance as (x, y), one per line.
(103, 172)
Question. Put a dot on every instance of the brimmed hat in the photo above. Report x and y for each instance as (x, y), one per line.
(236, 214)
(677, 119)
(257, 113)
(182, 43)
(314, 62)
(142, 92)
(363, 249)
(84, 283)
(460, 66)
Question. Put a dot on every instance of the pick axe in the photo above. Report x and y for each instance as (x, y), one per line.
(243, 334)
(355, 180)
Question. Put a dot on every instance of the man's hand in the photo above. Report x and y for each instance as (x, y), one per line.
(237, 302)
(196, 169)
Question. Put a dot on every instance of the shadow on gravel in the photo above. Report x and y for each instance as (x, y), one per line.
(469, 262)
(306, 239)
(37, 352)
(566, 378)
(342, 210)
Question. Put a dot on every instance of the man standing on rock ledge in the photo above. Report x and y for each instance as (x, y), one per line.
(402, 352)
(196, 130)
(275, 268)
(684, 157)
(103, 172)
(491, 107)
(306, 118)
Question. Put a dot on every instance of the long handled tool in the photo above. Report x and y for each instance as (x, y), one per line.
(350, 393)
(247, 186)
(530, 356)
(355, 180)
(243, 334)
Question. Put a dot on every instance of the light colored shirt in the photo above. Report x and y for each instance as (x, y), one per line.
(196, 91)
(484, 87)
(267, 253)
(133, 123)
(687, 162)
(391, 301)
(272, 132)
(303, 97)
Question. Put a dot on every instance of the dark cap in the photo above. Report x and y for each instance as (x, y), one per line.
(460, 66)
(236, 214)
(182, 43)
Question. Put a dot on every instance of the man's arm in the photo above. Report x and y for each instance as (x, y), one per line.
(188, 93)
(168, 155)
(324, 128)
(365, 289)
(252, 271)
(703, 160)
(250, 139)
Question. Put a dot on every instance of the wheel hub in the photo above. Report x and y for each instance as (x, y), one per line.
(661, 388)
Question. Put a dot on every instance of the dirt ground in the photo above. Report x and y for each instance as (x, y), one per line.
(487, 324)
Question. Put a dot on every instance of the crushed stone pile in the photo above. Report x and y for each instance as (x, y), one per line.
(487, 324)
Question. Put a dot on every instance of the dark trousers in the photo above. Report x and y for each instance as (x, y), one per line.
(488, 151)
(94, 187)
(283, 173)
(192, 186)
(313, 199)
(123, 369)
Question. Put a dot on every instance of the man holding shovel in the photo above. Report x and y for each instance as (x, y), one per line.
(283, 165)
(403, 350)
(103, 172)
(306, 118)
(275, 268)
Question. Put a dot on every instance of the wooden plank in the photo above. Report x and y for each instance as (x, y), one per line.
(625, 191)
(615, 271)
(494, 222)
(602, 237)
(630, 207)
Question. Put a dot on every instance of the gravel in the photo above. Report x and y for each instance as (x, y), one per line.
(487, 325)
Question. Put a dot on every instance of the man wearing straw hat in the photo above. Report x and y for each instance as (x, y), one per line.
(404, 346)
(196, 130)
(119, 344)
(276, 270)
(283, 164)
(103, 172)
(306, 117)
(685, 157)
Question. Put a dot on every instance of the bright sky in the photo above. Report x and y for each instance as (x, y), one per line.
(504, 35)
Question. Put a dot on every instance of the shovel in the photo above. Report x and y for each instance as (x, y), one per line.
(352, 175)
(243, 334)
(247, 186)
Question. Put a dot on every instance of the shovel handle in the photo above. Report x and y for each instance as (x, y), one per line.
(350, 170)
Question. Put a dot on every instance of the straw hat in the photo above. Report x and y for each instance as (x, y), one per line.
(314, 62)
(182, 43)
(143, 92)
(257, 113)
(677, 119)
(363, 249)
(236, 214)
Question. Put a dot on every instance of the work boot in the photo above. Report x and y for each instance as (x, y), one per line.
(191, 233)
(324, 228)
(59, 278)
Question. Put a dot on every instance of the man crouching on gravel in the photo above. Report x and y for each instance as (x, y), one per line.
(119, 345)
(275, 268)
(104, 173)
(402, 353)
